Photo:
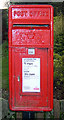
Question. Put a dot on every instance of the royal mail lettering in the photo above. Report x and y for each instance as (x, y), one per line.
(38, 13)
(30, 13)
(20, 13)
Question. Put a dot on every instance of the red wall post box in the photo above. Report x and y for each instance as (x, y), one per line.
(31, 57)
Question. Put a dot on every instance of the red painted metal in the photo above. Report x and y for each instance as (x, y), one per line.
(31, 26)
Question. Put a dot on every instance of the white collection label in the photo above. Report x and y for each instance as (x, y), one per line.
(31, 51)
(30, 74)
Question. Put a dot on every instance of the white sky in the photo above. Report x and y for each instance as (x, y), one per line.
(3, 4)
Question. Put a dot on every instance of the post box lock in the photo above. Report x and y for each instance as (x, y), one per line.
(31, 57)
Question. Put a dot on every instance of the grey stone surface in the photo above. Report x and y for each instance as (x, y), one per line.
(0, 108)
(5, 109)
(56, 108)
(36, 0)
